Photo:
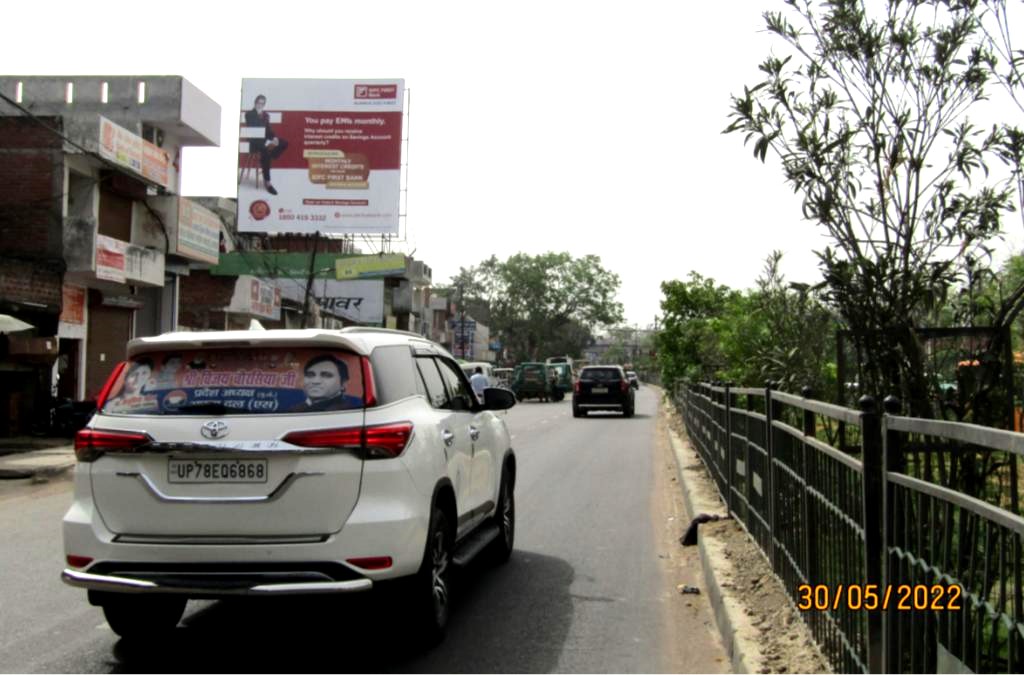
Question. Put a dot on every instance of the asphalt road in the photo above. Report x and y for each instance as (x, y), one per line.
(591, 586)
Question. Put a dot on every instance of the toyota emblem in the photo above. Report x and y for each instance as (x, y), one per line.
(215, 429)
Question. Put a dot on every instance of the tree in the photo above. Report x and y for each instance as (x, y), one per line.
(796, 345)
(869, 117)
(544, 305)
(778, 331)
(689, 345)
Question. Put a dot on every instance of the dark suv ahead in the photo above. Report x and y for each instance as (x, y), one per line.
(602, 388)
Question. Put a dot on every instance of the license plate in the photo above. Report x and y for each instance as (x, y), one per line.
(216, 470)
(599, 390)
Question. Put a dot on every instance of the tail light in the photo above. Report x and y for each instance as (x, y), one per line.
(79, 560)
(388, 440)
(369, 391)
(105, 392)
(576, 386)
(351, 437)
(91, 444)
(378, 442)
(624, 385)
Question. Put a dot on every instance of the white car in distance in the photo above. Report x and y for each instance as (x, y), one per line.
(286, 462)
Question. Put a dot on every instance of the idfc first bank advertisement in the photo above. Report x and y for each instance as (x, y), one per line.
(320, 155)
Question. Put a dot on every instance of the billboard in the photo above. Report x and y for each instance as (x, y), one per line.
(320, 155)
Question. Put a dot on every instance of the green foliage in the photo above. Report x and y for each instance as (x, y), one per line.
(689, 344)
(868, 112)
(779, 332)
(543, 305)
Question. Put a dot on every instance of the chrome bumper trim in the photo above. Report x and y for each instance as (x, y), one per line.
(99, 582)
(277, 492)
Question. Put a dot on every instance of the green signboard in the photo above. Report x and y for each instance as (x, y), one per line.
(296, 265)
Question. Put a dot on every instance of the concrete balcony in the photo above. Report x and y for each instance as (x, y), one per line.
(98, 261)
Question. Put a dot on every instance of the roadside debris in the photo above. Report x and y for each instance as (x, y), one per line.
(688, 590)
(689, 538)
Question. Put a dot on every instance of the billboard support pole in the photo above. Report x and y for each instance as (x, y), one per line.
(309, 281)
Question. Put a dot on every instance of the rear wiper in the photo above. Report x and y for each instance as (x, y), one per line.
(208, 407)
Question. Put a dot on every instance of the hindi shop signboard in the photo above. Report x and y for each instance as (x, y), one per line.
(111, 259)
(198, 232)
(361, 301)
(131, 151)
(320, 156)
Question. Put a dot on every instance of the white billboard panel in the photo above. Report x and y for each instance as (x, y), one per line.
(320, 155)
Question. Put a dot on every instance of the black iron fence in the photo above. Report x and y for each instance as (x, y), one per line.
(893, 569)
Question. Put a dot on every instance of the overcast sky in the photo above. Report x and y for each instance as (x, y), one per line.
(592, 128)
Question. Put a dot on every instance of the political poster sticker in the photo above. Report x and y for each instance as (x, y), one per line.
(320, 156)
(264, 381)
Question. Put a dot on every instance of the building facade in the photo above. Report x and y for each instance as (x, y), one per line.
(96, 235)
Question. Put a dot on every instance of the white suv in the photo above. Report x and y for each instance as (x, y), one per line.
(285, 462)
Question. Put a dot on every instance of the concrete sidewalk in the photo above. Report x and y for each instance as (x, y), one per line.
(38, 459)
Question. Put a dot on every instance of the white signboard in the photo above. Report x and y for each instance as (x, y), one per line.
(320, 155)
(198, 232)
(361, 301)
(256, 297)
(111, 258)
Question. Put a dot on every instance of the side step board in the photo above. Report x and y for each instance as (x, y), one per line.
(472, 545)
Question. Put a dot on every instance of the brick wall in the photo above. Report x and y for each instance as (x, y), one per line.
(203, 297)
(22, 281)
(31, 189)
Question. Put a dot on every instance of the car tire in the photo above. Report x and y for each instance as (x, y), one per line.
(628, 411)
(576, 412)
(432, 584)
(505, 519)
(143, 616)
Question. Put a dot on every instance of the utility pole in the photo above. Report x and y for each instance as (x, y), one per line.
(462, 323)
(309, 281)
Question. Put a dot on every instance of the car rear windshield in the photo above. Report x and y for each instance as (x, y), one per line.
(247, 381)
(601, 374)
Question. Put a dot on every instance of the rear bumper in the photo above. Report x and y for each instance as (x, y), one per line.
(180, 584)
(602, 405)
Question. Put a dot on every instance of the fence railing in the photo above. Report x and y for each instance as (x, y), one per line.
(901, 574)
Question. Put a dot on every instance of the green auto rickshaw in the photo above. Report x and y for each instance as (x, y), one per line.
(536, 380)
(564, 376)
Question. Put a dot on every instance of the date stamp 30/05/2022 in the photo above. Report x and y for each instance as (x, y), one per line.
(875, 597)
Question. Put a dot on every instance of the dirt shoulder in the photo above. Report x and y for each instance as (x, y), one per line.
(761, 629)
(691, 640)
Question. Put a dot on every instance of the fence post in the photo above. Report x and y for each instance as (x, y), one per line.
(729, 460)
(769, 415)
(871, 456)
(890, 537)
(747, 484)
(807, 454)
